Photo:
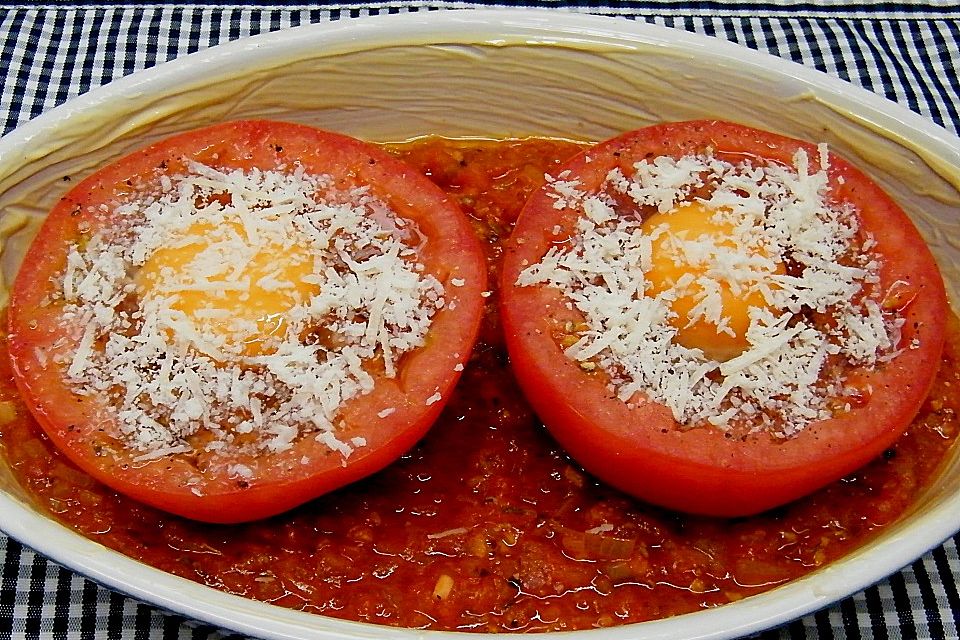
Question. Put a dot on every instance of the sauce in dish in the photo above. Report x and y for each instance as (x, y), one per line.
(487, 525)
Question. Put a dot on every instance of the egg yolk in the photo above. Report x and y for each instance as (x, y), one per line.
(711, 277)
(231, 290)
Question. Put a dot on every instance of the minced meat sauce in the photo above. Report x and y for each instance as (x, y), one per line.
(487, 525)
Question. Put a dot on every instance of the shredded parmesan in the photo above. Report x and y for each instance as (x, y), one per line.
(170, 377)
(447, 533)
(791, 368)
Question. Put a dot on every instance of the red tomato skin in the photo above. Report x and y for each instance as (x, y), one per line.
(642, 451)
(281, 480)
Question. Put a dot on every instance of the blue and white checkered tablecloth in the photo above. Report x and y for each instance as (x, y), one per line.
(50, 52)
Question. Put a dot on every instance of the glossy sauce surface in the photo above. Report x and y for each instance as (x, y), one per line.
(486, 525)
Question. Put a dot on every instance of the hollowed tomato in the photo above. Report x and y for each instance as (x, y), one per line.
(201, 482)
(701, 468)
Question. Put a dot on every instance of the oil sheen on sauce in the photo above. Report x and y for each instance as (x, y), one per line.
(487, 525)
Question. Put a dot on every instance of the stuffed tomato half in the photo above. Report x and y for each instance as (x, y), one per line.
(718, 319)
(237, 319)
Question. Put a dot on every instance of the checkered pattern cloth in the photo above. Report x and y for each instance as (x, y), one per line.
(906, 51)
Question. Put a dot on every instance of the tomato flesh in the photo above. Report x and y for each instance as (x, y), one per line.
(277, 480)
(641, 449)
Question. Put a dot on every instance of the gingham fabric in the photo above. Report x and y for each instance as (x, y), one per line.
(906, 51)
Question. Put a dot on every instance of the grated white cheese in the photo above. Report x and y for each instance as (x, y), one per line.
(782, 381)
(447, 533)
(169, 375)
(606, 527)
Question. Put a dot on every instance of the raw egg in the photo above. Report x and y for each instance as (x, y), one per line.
(233, 288)
(711, 272)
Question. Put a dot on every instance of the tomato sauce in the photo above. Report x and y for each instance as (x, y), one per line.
(487, 525)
